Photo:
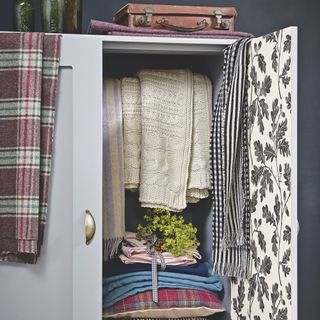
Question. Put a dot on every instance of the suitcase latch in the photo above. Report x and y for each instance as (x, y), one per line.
(146, 19)
(220, 23)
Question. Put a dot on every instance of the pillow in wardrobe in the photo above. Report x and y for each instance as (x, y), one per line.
(173, 303)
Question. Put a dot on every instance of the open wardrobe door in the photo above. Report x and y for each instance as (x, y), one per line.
(271, 290)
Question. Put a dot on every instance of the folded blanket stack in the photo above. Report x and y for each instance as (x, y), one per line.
(166, 133)
(136, 252)
(186, 287)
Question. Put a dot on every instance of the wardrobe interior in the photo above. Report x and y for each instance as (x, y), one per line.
(118, 65)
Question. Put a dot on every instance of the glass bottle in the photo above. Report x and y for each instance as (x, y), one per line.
(23, 15)
(52, 12)
(72, 16)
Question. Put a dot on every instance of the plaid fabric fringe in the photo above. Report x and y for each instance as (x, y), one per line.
(230, 176)
(29, 64)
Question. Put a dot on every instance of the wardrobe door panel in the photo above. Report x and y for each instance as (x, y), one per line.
(87, 172)
(44, 290)
(271, 292)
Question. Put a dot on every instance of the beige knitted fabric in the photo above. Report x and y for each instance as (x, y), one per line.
(131, 110)
(166, 117)
(199, 170)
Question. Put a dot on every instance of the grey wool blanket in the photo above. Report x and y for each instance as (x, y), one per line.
(113, 182)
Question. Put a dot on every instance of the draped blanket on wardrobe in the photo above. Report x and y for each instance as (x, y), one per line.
(29, 64)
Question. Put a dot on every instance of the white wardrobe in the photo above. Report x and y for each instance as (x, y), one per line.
(66, 283)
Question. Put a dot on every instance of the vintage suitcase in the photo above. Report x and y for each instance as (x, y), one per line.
(178, 18)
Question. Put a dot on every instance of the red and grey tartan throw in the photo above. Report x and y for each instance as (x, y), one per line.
(186, 299)
(29, 64)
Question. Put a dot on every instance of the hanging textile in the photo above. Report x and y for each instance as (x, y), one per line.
(131, 113)
(113, 183)
(167, 116)
(199, 169)
(230, 177)
(29, 64)
(167, 112)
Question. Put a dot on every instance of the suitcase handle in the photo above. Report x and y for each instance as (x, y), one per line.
(200, 26)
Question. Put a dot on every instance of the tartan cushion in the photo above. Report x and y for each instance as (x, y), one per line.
(177, 303)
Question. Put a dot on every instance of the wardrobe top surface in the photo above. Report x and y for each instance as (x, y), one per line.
(139, 44)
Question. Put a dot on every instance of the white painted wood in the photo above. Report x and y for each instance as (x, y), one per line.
(163, 45)
(84, 55)
(44, 290)
(294, 165)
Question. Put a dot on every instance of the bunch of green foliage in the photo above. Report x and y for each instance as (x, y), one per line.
(172, 233)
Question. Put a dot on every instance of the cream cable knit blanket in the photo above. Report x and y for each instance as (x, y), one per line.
(199, 170)
(175, 133)
(131, 111)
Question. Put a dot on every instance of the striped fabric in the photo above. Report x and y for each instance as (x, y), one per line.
(230, 178)
(113, 181)
(29, 64)
(168, 298)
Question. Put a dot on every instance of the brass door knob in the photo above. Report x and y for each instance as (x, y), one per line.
(90, 227)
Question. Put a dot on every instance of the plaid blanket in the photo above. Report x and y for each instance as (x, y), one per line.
(168, 298)
(28, 79)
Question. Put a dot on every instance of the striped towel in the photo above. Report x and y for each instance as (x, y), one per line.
(231, 213)
(29, 64)
(113, 182)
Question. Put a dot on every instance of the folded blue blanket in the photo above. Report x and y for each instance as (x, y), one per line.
(118, 287)
(116, 267)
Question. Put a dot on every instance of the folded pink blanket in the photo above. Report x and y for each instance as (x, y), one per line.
(137, 253)
(101, 27)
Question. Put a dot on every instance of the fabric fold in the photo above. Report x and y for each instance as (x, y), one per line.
(199, 169)
(29, 65)
(116, 267)
(131, 112)
(113, 181)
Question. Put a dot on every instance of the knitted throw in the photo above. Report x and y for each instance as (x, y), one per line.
(199, 169)
(29, 64)
(167, 116)
(131, 112)
(166, 119)
(230, 163)
(113, 186)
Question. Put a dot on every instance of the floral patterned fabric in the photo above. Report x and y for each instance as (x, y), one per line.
(267, 294)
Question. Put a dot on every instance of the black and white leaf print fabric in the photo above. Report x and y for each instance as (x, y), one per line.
(267, 294)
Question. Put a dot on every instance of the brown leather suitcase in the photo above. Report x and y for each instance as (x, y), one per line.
(178, 18)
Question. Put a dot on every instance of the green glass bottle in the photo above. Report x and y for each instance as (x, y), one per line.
(52, 12)
(23, 15)
(72, 16)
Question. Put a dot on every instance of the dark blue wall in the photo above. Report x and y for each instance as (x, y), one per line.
(259, 17)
